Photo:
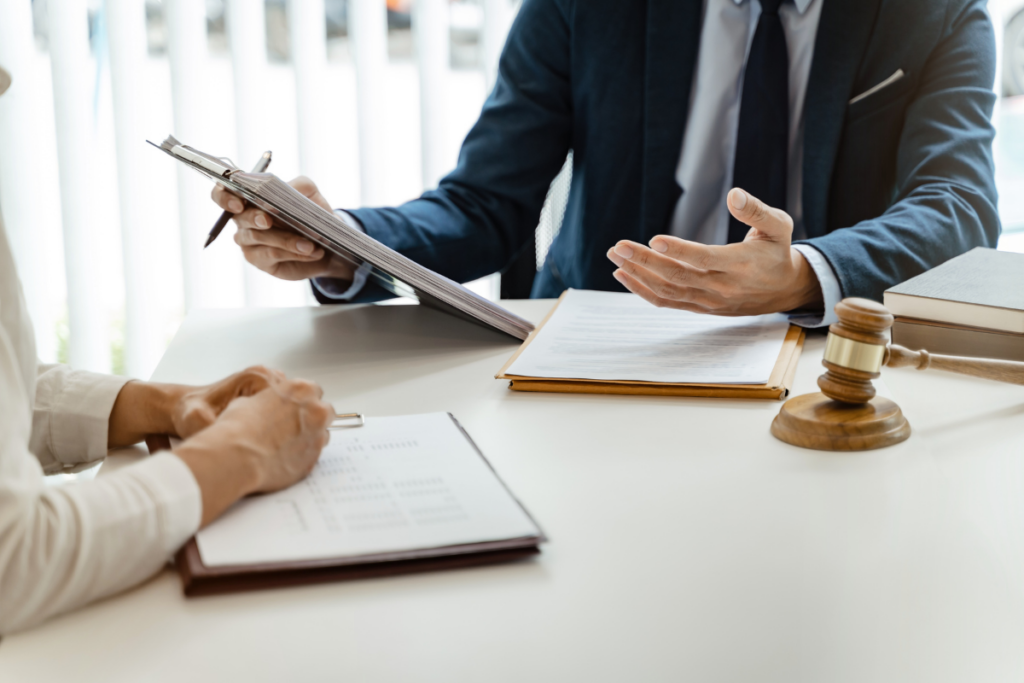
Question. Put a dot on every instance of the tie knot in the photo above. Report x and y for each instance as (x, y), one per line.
(770, 6)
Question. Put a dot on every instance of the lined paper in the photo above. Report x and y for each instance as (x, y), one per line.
(393, 485)
(619, 336)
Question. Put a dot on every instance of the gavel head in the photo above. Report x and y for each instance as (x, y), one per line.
(855, 350)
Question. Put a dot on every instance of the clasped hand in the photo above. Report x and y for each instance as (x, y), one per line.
(762, 274)
(256, 430)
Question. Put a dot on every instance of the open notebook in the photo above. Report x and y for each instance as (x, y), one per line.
(394, 495)
(392, 271)
(617, 343)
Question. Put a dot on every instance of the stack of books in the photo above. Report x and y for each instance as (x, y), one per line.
(972, 305)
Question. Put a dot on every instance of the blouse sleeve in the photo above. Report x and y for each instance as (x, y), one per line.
(64, 546)
(70, 416)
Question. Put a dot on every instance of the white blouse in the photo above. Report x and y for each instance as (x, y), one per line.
(64, 546)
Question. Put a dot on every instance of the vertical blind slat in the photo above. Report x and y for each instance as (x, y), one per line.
(186, 49)
(21, 167)
(246, 25)
(307, 28)
(497, 20)
(126, 34)
(368, 32)
(70, 60)
(430, 24)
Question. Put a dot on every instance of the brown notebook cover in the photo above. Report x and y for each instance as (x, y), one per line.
(957, 340)
(777, 387)
(198, 579)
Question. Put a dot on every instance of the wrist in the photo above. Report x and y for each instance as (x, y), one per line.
(225, 469)
(159, 402)
(806, 292)
(141, 409)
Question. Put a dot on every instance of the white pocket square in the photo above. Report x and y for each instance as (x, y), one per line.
(881, 86)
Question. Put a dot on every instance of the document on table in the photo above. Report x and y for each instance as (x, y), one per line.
(393, 485)
(619, 336)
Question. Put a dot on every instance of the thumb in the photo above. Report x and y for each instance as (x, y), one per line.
(309, 190)
(775, 224)
(305, 185)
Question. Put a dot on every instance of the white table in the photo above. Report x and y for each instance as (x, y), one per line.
(687, 544)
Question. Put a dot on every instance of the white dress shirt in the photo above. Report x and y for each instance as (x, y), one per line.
(709, 145)
(63, 546)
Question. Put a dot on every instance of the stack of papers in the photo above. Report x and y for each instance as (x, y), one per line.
(592, 340)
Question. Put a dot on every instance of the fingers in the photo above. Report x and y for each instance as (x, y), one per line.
(642, 290)
(669, 283)
(263, 371)
(639, 261)
(226, 200)
(697, 255)
(296, 247)
(193, 416)
(318, 417)
(200, 408)
(303, 390)
(274, 261)
(253, 218)
(773, 223)
(255, 379)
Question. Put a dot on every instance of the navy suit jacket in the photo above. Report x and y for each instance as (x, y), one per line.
(894, 184)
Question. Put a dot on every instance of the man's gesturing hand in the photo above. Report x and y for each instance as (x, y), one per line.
(762, 274)
(276, 249)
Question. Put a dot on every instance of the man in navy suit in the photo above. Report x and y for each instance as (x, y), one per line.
(729, 156)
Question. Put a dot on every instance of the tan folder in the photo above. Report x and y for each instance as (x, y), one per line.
(778, 386)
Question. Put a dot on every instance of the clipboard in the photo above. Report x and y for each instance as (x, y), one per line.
(389, 270)
(198, 579)
(778, 386)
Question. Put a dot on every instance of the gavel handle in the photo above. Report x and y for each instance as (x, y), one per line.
(998, 370)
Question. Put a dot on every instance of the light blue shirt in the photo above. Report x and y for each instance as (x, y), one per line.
(709, 145)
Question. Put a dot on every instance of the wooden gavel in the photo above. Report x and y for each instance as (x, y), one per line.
(847, 415)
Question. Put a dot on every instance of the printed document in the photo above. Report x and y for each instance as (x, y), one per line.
(392, 485)
(619, 336)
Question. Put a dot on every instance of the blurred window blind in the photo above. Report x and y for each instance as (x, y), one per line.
(371, 99)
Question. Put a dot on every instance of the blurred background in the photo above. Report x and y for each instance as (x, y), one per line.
(370, 98)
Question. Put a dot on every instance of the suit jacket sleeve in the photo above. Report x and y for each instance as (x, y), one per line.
(945, 200)
(484, 212)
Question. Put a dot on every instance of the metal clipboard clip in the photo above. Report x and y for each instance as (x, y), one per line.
(347, 421)
(219, 166)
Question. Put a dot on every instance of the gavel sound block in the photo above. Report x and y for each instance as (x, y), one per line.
(846, 415)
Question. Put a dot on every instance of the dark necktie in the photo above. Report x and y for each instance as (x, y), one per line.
(762, 143)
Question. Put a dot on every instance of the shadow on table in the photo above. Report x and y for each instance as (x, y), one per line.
(381, 345)
(973, 420)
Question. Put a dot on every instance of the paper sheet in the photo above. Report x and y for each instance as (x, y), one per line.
(395, 484)
(619, 336)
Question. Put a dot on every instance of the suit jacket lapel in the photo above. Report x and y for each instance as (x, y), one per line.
(673, 40)
(843, 34)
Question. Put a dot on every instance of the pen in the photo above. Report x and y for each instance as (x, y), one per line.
(260, 167)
